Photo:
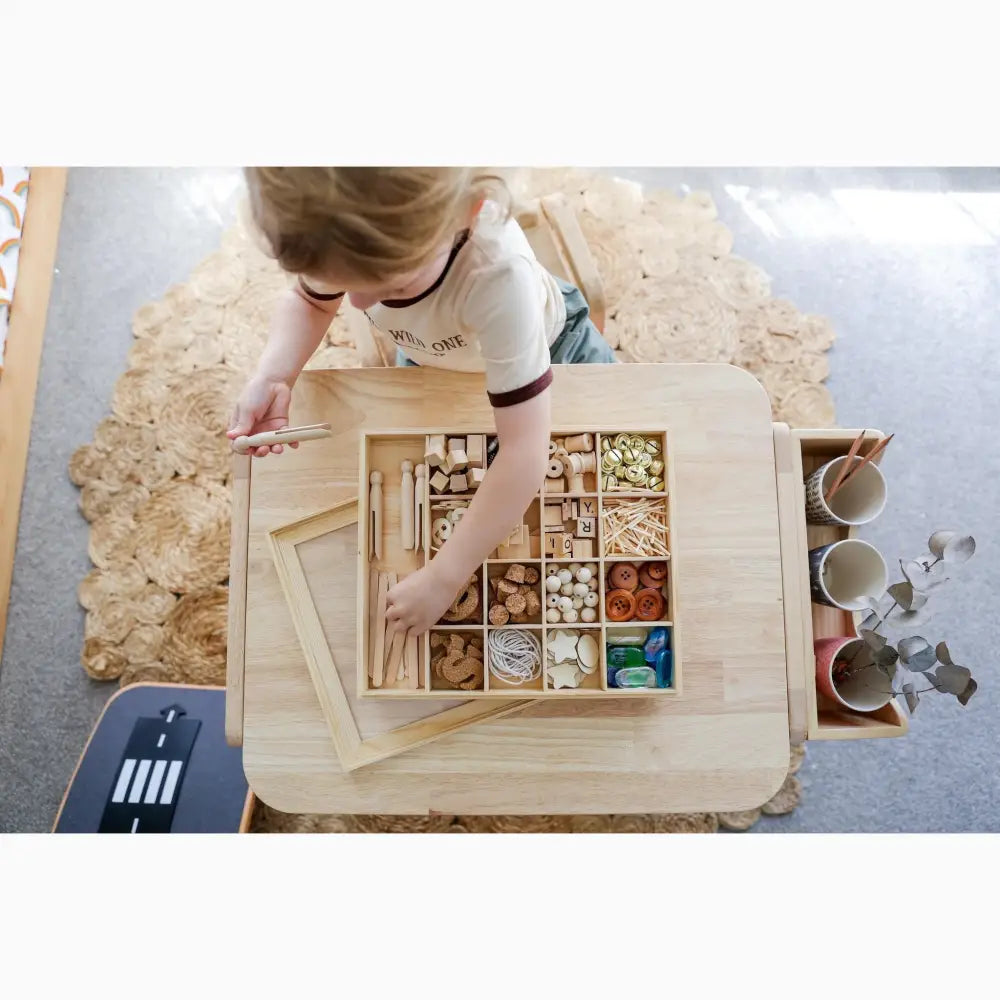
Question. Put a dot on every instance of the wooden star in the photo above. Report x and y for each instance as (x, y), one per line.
(562, 645)
(564, 675)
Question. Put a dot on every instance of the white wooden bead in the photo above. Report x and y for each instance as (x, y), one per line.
(588, 615)
(575, 568)
(552, 600)
(580, 589)
(565, 604)
(565, 576)
(592, 599)
(583, 575)
(566, 590)
(571, 616)
(552, 584)
(553, 615)
(578, 603)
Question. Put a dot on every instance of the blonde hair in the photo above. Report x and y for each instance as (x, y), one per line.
(373, 222)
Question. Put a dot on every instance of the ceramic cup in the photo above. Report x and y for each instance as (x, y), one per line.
(843, 573)
(866, 689)
(860, 501)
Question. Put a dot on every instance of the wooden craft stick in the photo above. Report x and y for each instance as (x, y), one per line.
(393, 643)
(378, 625)
(375, 516)
(412, 657)
(372, 603)
(846, 465)
(286, 435)
(873, 454)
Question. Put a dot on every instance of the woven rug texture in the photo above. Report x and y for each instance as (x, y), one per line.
(155, 480)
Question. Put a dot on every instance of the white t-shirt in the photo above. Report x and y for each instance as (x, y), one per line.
(494, 309)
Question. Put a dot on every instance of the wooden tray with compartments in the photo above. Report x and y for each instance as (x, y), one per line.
(570, 527)
(812, 716)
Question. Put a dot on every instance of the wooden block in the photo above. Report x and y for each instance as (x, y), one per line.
(474, 477)
(521, 550)
(439, 482)
(459, 484)
(586, 527)
(436, 450)
(574, 511)
(456, 444)
(446, 464)
(575, 484)
(566, 545)
(583, 548)
(475, 448)
(553, 515)
(457, 459)
(588, 508)
(568, 510)
(555, 485)
(534, 546)
(553, 543)
(580, 442)
(517, 536)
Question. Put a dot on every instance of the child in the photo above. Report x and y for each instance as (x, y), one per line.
(434, 259)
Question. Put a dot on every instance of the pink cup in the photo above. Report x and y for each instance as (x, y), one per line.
(867, 690)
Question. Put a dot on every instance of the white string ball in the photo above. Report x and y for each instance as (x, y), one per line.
(515, 655)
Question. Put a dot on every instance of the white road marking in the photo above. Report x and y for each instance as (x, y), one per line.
(170, 715)
(135, 824)
(123, 779)
(140, 780)
(154, 782)
(171, 783)
(163, 736)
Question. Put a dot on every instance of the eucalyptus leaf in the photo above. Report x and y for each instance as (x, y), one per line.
(886, 656)
(872, 639)
(953, 679)
(942, 653)
(923, 576)
(911, 696)
(903, 594)
(970, 689)
(916, 652)
(907, 620)
(938, 542)
(869, 623)
(960, 550)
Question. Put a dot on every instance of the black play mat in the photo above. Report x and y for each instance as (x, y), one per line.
(157, 762)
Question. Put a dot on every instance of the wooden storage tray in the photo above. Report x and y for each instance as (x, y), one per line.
(385, 451)
(811, 715)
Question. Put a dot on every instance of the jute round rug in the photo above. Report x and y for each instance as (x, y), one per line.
(154, 482)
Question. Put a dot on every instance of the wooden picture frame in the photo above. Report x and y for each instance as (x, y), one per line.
(352, 748)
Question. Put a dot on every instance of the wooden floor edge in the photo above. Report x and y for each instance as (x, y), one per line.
(21, 364)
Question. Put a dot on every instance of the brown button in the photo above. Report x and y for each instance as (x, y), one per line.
(624, 576)
(620, 605)
(649, 605)
(652, 574)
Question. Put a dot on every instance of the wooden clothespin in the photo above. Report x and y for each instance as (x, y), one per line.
(287, 435)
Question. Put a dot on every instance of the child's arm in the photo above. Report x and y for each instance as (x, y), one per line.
(510, 484)
(297, 328)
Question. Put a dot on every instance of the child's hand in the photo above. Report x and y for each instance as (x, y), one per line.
(419, 600)
(262, 406)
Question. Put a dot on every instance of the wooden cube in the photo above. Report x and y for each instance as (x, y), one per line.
(474, 477)
(583, 548)
(436, 450)
(566, 545)
(553, 544)
(534, 546)
(588, 508)
(438, 482)
(457, 459)
(553, 516)
(555, 485)
(456, 444)
(475, 448)
(586, 527)
(459, 484)
(568, 510)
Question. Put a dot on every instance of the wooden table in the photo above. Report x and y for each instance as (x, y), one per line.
(722, 745)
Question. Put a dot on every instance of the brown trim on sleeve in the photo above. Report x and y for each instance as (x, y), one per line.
(319, 296)
(522, 395)
(403, 303)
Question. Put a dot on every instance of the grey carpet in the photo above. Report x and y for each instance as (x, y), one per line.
(912, 283)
